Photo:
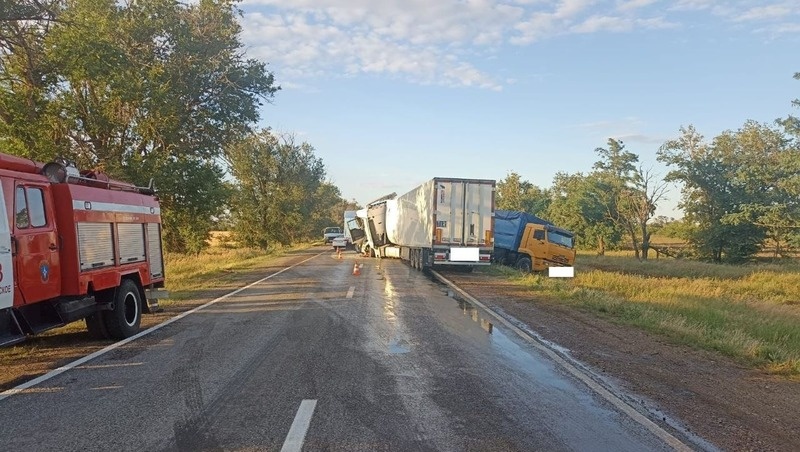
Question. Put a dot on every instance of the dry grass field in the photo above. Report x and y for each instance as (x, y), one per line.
(750, 312)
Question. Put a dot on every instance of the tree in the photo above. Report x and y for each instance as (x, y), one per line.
(513, 193)
(721, 179)
(28, 10)
(26, 78)
(792, 123)
(616, 161)
(276, 181)
(679, 229)
(618, 189)
(791, 184)
(767, 170)
(640, 202)
(328, 209)
(143, 89)
(197, 188)
(576, 206)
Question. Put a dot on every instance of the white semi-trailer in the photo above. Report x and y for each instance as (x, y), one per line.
(443, 222)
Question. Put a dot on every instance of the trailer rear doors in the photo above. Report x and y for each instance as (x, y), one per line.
(464, 212)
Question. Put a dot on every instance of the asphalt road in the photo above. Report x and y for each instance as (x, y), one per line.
(319, 358)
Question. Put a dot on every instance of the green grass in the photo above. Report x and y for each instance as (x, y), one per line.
(185, 274)
(751, 313)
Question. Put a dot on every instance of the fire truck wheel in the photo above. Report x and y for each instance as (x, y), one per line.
(124, 320)
(96, 326)
(524, 264)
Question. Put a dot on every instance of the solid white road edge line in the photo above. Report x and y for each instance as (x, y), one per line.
(351, 291)
(16, 390)
(603, 392)
(297, 432)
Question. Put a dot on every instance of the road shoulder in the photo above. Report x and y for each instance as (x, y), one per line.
(728, 404)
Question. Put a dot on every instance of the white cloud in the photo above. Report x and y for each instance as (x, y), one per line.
(767, 12)
(629, 5)
(626, 129)
(450, 42)
(780, 29)
(786, 28)
(603, 23)
(570, 8)
(693, 5)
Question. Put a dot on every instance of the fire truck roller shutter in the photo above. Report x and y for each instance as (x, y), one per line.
(96, 245)
(131, 242)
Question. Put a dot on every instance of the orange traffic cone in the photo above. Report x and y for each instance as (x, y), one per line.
(356, 269)
(338, 253)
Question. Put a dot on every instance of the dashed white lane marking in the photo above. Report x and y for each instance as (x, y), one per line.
(24, 386)
(351, 292)
(108, 366)
(654, 428)
(297, 432)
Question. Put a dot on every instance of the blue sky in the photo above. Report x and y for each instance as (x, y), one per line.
(394, 92)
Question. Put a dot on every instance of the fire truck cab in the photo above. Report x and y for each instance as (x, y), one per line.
(75, 245)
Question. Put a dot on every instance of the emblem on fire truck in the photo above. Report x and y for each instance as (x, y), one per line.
(44, 270)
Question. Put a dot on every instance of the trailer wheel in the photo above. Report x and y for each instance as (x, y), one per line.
(524, 264)
(123, 321)
(96, 326)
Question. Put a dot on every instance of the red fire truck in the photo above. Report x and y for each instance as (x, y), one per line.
(75, 245)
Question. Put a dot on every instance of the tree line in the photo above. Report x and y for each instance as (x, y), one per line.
(740, 193)
(160, 89)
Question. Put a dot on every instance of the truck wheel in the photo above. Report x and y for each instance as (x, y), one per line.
(124, 320)
(96, 326)
(524, 264)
